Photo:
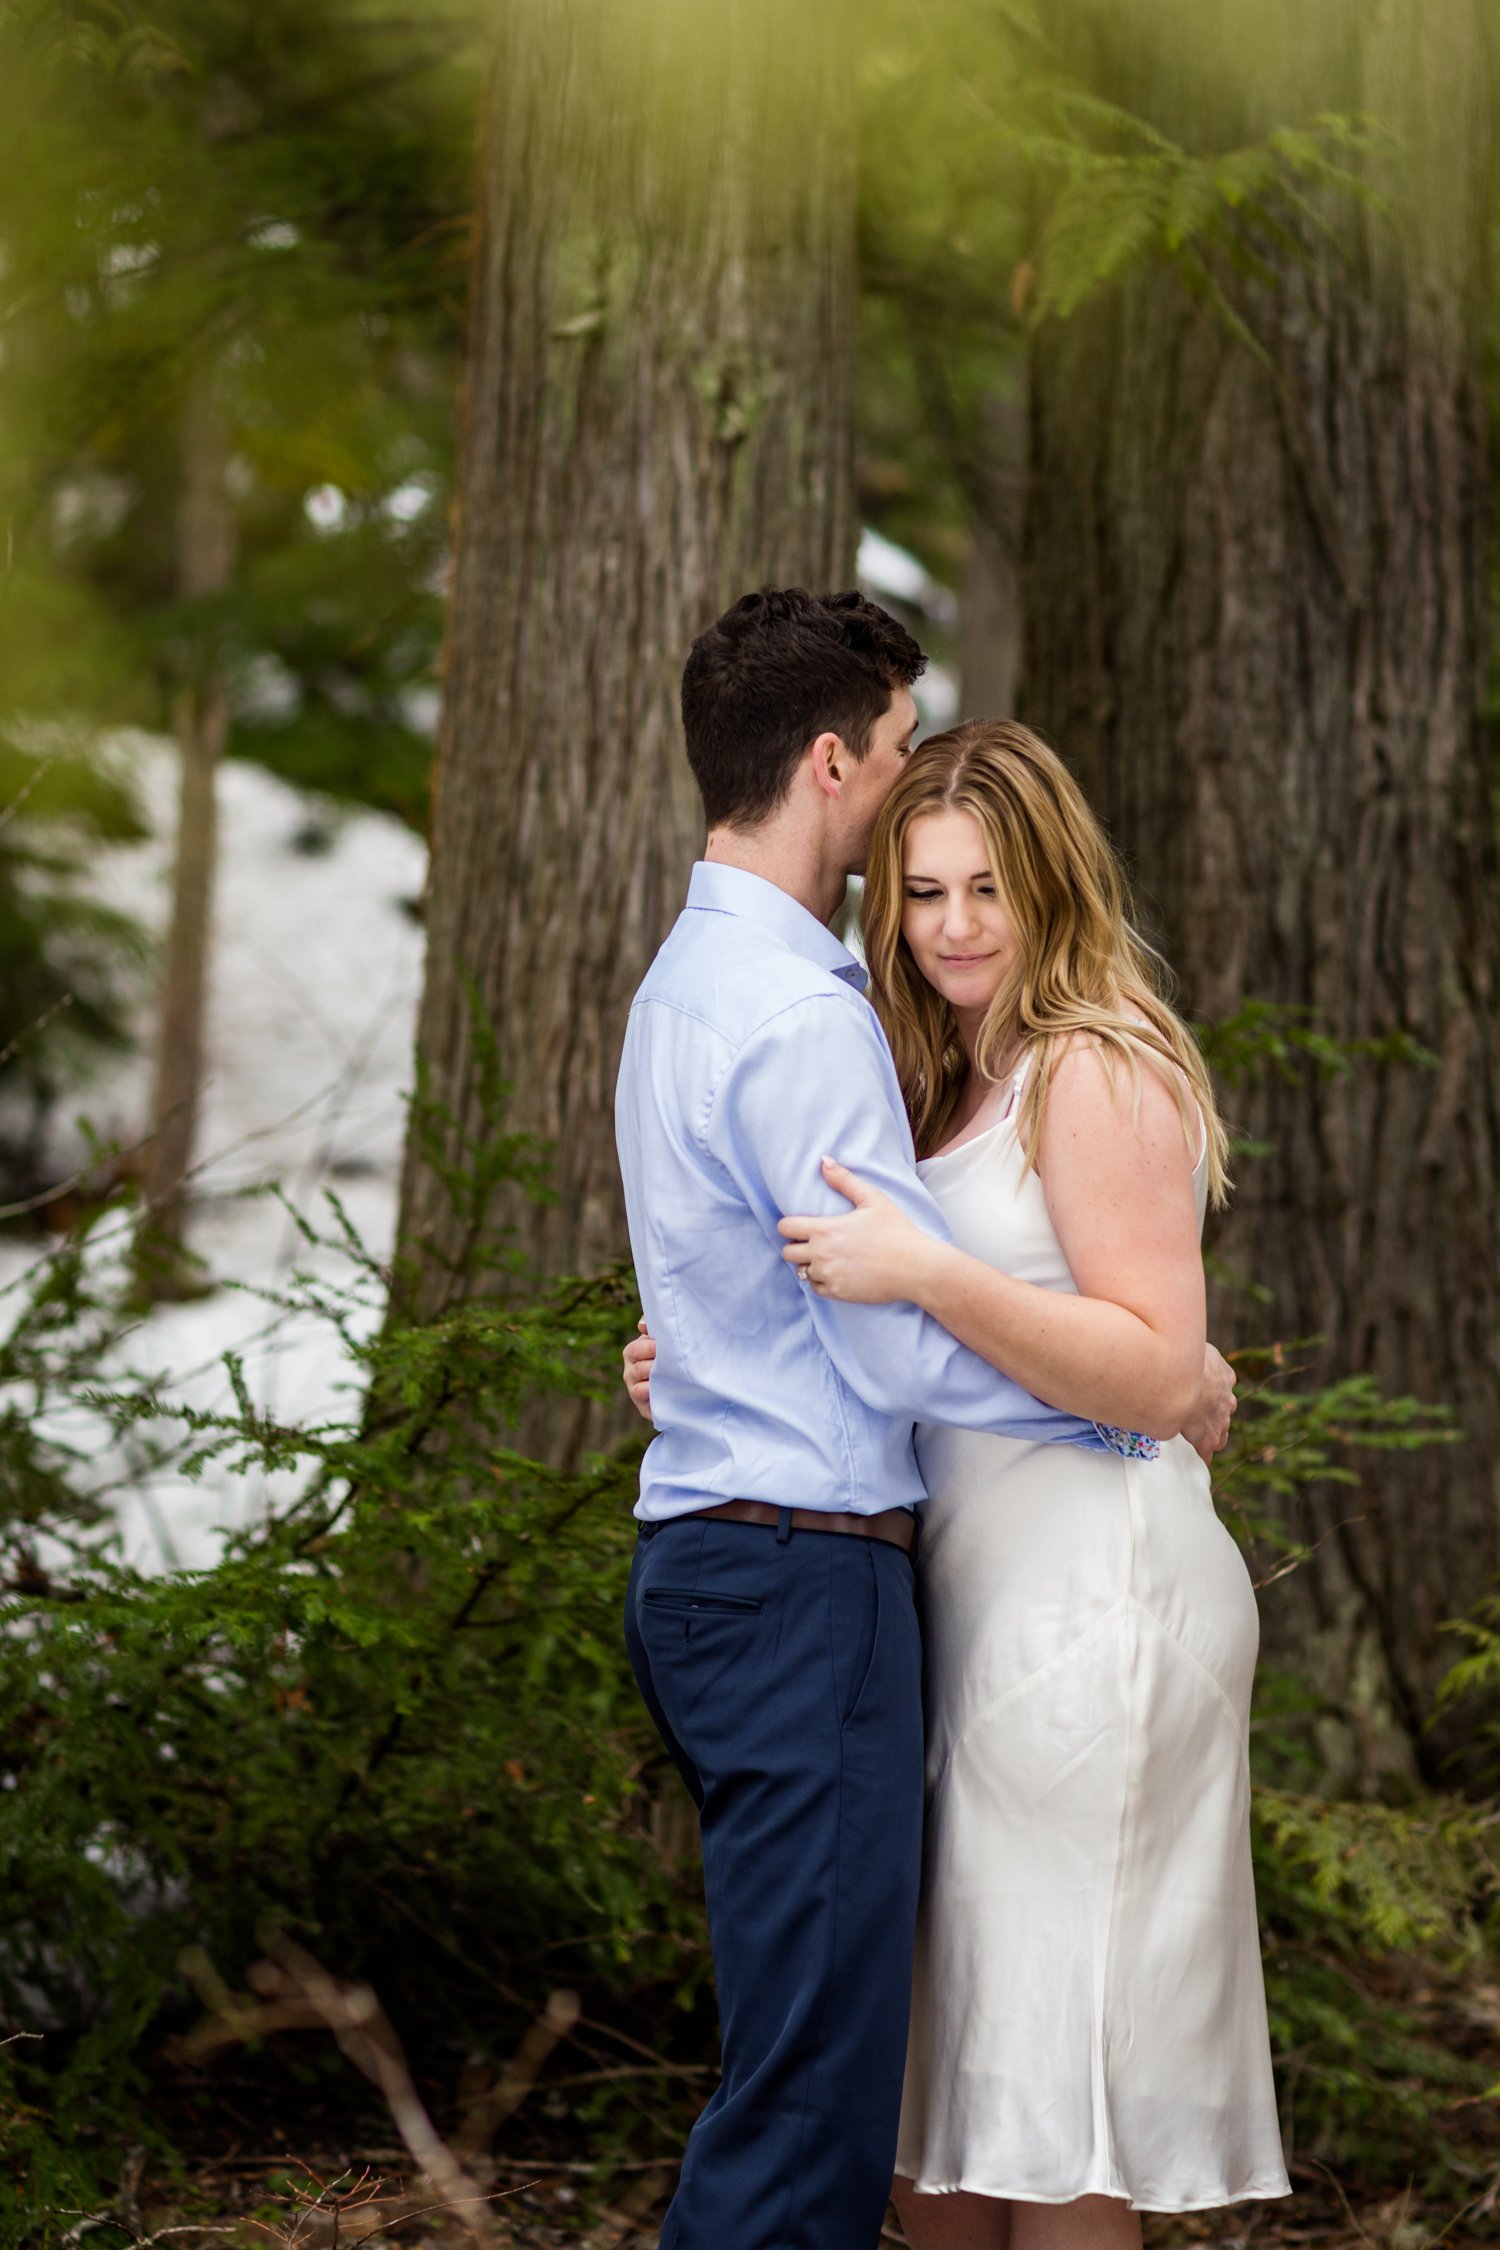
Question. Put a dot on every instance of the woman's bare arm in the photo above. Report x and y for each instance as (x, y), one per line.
(1129, 1349)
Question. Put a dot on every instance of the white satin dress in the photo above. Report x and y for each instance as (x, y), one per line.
(1088, 2011)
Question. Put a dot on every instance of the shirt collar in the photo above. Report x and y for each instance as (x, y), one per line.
(717, 889)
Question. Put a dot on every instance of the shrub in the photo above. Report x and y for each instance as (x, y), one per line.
(394, 1721)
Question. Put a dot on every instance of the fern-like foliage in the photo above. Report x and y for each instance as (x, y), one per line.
(1289, 1433)
(1122, 194)
(1108, 192)
(1378, 1928)
(1264, 1035)
(1474, 1681)
(1402, 1878)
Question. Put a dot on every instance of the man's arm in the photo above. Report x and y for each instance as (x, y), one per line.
(1206, 1428)
(819, 1077)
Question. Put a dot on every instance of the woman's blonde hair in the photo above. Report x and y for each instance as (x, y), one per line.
(1081, 967)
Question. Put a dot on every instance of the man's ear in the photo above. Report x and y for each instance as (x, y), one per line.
(828, 760)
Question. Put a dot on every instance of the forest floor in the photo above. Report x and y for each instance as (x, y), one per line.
(282, 2145)
(545, 2210)
(366, 2199)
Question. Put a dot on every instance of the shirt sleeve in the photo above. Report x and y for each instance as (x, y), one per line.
(818, 1080)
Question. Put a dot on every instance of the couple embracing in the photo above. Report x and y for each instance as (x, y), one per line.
(1004, 1947)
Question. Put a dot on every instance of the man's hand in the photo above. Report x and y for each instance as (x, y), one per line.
(1207, 1426)
(639, 1353)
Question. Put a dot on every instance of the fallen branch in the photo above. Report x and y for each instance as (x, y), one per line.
(297, 1993)
(489, 2112)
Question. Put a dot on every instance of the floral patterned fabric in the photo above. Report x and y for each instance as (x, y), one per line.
(1129, 1442)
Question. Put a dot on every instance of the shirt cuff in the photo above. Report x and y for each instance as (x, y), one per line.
(1130, 1443)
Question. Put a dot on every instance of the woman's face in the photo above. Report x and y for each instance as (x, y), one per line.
(953, 919)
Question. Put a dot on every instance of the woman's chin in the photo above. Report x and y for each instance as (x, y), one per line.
(965, 990)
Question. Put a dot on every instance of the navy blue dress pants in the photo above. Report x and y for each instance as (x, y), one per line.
(783, 1669)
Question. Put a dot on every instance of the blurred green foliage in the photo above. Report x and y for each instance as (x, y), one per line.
(70, 963)
(281, 196)
(999, 188)
(274, 200)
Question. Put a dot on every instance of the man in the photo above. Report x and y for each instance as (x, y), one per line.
(770, 1618)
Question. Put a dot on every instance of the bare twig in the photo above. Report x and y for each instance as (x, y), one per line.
(59, 1007)
(1303, 1554)
(1332, 2178)
(34, 781)
(515, 2082)
(88, 2220)
(1482, 2206)
(50, 1194)
(297, 1993)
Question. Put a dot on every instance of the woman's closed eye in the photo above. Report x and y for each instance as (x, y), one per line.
(984, 890)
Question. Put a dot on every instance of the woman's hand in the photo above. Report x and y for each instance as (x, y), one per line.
(1207, 1426)
(871, 1257)
(639, 1353)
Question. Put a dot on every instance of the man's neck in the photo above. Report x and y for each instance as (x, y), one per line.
(795, 864)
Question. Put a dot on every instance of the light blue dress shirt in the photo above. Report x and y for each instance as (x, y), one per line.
(751, 1053)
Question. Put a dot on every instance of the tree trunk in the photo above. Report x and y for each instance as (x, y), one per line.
(989, 653)
(657, 417)
(989, 628)
(984, 439)
(205, 565)
(1255, 622)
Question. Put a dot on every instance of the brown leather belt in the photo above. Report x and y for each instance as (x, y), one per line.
(894, 1527)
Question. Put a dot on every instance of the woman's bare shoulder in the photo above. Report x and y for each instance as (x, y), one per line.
(1097, 1082)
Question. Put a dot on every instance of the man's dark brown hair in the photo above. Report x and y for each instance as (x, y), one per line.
(778, 669)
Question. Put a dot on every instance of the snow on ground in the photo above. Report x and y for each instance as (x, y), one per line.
(315, 975)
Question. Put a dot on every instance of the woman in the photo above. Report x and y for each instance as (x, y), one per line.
(1088, 2028)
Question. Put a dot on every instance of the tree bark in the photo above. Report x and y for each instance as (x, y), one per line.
(656, 417)
(989, 652)
(1255, 622)
(205, 566)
